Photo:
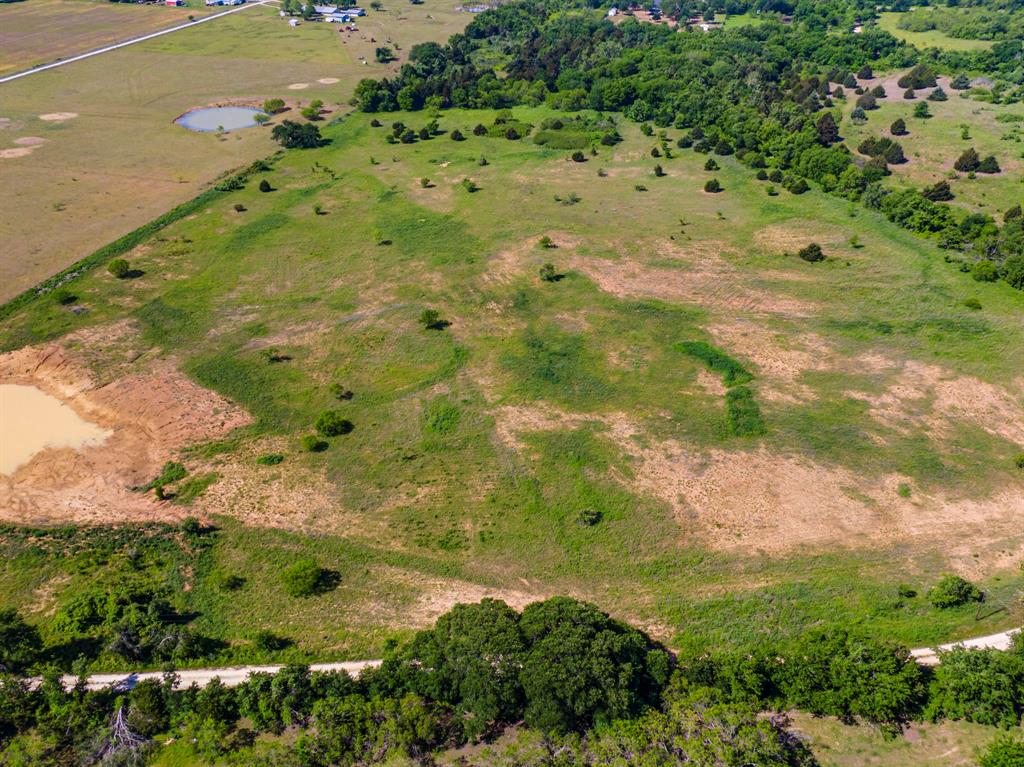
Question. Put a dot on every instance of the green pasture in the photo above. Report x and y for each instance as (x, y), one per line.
(323, 280)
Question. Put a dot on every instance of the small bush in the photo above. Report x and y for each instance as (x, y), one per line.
(311, 443)
(331, 423)
(985, 271)
(303, 578)
(239, 208)
(811, 252)
(954, 591)
(548, 273)
(659, 171)
(743, 416)
(1004, 751)
(265, 186)
(588, 517)
(230, 582)
(578, 156)
(713, 186)
(270, 459)
(266, 641)
(340, 392)
(1019, 461)
(712, 165)
(119, 268)
(430, 319)
(972, 303)
(469, 185)
(456, 135)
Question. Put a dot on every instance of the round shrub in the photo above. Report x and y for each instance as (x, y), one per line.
(119, 268)
(330, 423)
(811, 253)
(953, 591)
(302, 579)
(311, 443)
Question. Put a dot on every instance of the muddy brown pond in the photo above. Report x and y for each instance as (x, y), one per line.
(32, 421)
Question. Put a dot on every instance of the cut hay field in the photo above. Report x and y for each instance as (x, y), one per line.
(889, 21)
(569, 436)
(40, 31)
(89, 151)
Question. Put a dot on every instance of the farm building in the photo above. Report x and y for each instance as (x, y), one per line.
(332, 10)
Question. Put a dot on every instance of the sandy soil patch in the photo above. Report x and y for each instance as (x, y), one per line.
(58, 116)
(513, 421)
(941, 397)
(436, 596)
(151, 414)
(710, 281)
(775, 502)
(30, 141)
(298, 86)
(288, 496)
(329, 80)
(21, 151)
(5, 122)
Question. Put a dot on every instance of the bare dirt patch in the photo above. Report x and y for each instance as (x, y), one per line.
(58, 116)
(288, 496)
(328, 80)
(298, 86)
(797, 233)
(941, 397)
(21, 151)
(510, 264)
(775, 502)
(778, 502)
(436, 596)
(709, 281)
(152, 413)
(30, 141)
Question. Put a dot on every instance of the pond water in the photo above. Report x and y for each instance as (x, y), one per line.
(217, 118)
(31, 420)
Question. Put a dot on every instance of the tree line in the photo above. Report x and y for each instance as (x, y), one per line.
(566, 676)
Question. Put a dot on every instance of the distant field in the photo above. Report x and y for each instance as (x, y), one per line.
(933, 39)
(948, 744)
(121, 161)
(933, 144)
(558, 437)
(39, 31)
(740, 20)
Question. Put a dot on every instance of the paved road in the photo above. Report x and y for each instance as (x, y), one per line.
(122, 44)
(234, 676)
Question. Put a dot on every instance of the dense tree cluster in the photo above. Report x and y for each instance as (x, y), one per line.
(587, 686)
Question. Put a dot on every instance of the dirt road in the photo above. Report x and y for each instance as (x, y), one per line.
(231, 677)
(234, 676)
